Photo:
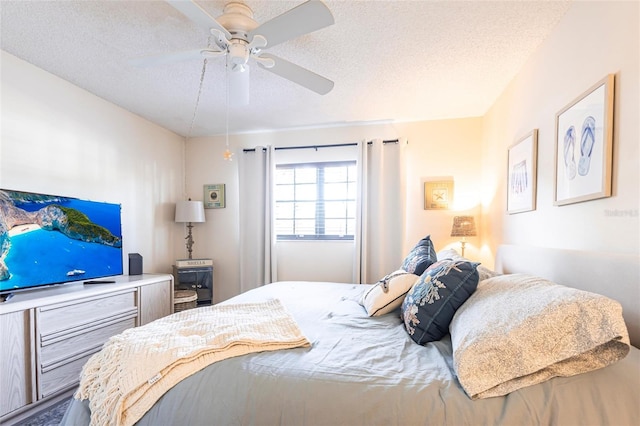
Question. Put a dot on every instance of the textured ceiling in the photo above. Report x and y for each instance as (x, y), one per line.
(390, 60)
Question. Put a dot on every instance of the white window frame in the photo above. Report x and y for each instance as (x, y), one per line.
(320, 217)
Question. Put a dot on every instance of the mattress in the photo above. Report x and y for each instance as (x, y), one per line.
(363, 370)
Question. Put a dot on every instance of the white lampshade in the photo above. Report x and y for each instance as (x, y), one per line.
(189, 211)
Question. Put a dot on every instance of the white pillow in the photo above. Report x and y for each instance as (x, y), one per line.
(388, 294)
(519, 330)
(483, 272)
(449, 254)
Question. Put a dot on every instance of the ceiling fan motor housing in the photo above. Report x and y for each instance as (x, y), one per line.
(237, 18)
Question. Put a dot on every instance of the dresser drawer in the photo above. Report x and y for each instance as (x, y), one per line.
(58, 351)
(63, 377)
(79, 314)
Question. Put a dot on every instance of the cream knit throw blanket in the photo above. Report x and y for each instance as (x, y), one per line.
(135, 368)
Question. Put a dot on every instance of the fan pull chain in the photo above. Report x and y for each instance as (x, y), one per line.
(195, 110)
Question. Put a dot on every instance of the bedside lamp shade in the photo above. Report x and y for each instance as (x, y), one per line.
(189, 212)
(463, 226)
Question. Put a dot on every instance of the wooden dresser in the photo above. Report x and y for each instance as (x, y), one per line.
(48, 334)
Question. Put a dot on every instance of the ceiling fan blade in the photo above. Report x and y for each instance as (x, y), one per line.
(297, 74)
(198, 15)
(168, 58)
(302, 19)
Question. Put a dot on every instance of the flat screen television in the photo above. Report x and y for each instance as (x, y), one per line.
(48, 239)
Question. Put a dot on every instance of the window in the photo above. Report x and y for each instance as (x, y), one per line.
(316, 201)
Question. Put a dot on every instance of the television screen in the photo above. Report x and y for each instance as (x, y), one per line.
(47, 239)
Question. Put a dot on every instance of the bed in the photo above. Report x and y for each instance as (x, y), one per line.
(368, 370)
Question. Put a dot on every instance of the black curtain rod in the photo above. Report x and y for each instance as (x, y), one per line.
(335, 145)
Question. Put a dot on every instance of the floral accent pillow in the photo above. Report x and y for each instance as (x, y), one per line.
(420, 257)
(429, 306)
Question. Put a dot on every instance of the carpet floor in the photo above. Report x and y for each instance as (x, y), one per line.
(50, 417)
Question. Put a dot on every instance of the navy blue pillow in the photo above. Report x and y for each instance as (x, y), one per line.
(429, 306)
(420, 257)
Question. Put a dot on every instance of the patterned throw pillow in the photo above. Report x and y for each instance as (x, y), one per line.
(429, 306)
(420, 257)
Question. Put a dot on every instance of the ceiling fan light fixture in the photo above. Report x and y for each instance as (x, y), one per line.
(238, 68)
(238, 52)
(238, 77)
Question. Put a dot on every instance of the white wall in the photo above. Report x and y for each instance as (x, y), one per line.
(439, 148)
(59, 139)
(592, 40)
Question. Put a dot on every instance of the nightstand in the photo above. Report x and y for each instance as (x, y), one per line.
(196, 275)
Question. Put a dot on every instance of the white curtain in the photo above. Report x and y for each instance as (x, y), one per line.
(258, 264)
(380, 211)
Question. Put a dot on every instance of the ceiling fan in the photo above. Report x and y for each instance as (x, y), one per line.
(239, 38)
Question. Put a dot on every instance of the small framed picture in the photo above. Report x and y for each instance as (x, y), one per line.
(438, 194)
(521, 178)
(214, 196)
(584, 146)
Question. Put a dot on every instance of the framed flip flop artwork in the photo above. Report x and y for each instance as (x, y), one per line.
(584, 146)
(521, 177)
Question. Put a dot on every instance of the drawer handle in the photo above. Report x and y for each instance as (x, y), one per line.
(94, 324)
(45, 367)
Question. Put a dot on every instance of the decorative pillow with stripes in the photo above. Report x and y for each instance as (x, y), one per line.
(388, 293)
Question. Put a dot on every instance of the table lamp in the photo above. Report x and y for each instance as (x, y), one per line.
(189, 212)
(463, 226)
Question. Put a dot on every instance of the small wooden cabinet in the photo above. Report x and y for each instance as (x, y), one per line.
(196, 275)
(49, 334)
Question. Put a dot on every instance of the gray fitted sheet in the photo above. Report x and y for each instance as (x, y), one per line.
(368, 371)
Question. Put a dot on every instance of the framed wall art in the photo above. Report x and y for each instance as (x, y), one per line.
(584, 144)
(521, 178)
(438, 194)
(214, 196)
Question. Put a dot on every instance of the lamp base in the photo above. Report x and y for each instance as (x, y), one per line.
(190, 241)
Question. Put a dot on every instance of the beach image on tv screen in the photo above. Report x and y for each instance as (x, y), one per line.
(48, 239)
